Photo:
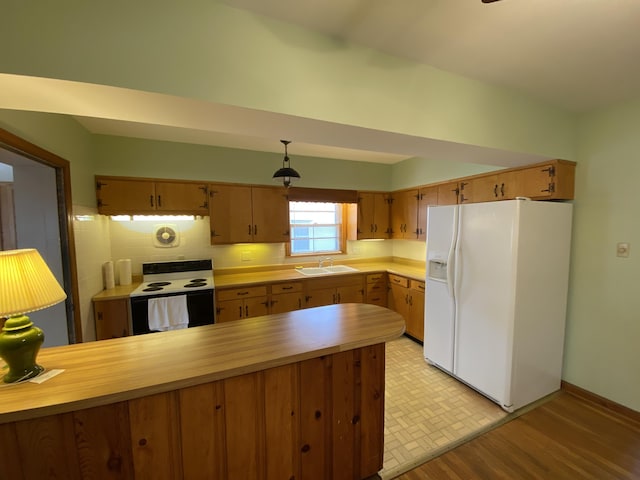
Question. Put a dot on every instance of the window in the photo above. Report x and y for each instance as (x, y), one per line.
(316, 227)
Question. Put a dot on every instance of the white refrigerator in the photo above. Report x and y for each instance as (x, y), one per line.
(496, 296)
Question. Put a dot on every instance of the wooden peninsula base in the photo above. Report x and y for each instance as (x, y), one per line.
(289, 396)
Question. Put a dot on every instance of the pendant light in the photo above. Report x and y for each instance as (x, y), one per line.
(286, 174)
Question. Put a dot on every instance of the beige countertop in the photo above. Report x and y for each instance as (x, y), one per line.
(236, 277)
(101, 373)
(239, 278)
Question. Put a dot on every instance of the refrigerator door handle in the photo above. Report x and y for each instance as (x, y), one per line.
(451, 255)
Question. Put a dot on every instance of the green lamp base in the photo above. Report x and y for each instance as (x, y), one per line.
(20, 343)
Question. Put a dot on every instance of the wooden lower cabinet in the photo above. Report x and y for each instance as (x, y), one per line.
(111, 318)
(321, 418)
(332, 290)
(238, 303)
(406, 296)
(376, 290)
(286, 297)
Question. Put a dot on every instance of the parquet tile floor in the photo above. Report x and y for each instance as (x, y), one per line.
(427, 412)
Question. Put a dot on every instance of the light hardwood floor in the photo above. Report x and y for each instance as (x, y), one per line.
(565, 438)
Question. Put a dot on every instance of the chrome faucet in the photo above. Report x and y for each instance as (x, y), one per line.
(321, 260)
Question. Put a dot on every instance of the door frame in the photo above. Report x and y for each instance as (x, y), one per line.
(62, 168)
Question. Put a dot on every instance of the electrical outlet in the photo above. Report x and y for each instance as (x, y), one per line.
(622, 249)
(245, 256)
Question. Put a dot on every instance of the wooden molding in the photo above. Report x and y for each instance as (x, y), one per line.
(599, 400)
(63, 181)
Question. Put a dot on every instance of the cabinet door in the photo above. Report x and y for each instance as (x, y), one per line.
(426, 196)
(182, 198)
(536, 182)
(317, 297)
(507, 185)
(415, 324)
(399, 300)
(448, 193)
(286, 302)
(404, 215)
(111, 318)
(366, 205)
(485, 189)
(373, 215)
(256, 306)
(125, 196)
(230, 214)
(270, 214)
(229, 310)
(350, 294)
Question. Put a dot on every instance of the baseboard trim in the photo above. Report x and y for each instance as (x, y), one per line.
(602, 401)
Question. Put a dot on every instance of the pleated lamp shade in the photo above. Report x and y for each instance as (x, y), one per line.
(26, 283)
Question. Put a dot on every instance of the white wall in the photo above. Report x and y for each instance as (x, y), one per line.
(36, 213)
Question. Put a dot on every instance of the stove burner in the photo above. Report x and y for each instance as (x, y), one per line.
(195, 284)
(198, 280)
(158, 284)
(152, 289)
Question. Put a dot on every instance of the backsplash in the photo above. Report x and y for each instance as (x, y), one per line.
(135, 240)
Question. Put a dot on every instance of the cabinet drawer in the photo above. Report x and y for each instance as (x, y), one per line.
(334, 281)
(375, 277)
(286, 287)
(235, 293)
(417, 285)
(398, 280)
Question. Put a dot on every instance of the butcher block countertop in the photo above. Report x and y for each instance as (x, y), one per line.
(101, 373)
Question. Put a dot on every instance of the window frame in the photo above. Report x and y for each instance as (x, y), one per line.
(341, 237)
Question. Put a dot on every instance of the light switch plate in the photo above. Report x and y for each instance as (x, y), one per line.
(622, 249)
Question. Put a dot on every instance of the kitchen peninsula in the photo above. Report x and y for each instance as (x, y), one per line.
(292, 395)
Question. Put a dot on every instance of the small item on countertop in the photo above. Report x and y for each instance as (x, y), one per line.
(108, 275)
(124, 271)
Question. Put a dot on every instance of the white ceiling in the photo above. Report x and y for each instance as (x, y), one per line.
(575, 54)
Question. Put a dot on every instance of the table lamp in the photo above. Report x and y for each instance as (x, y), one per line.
(26, 285)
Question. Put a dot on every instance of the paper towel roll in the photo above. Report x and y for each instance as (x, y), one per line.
(124, 271)
(108, 275)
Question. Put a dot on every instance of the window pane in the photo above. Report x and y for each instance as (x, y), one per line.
(315, 227)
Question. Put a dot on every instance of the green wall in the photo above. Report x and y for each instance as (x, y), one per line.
(603, 328)
(149, 158)
(420, 171)
(63, 136)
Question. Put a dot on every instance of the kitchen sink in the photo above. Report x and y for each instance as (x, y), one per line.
(325, 270)
(340, 269)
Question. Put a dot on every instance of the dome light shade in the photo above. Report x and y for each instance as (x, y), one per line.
(286, 174)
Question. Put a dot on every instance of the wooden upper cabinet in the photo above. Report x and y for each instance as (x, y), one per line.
(245, 214)
(230, 214)
(404, 214)
(373, 215)
(142, 196)
(117, 196)
(426, 196)
(182, 197)
(448, 193)
(270, 207)
(482, 189)
(551, 181)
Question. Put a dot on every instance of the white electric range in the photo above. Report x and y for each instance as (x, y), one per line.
(192, 278)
